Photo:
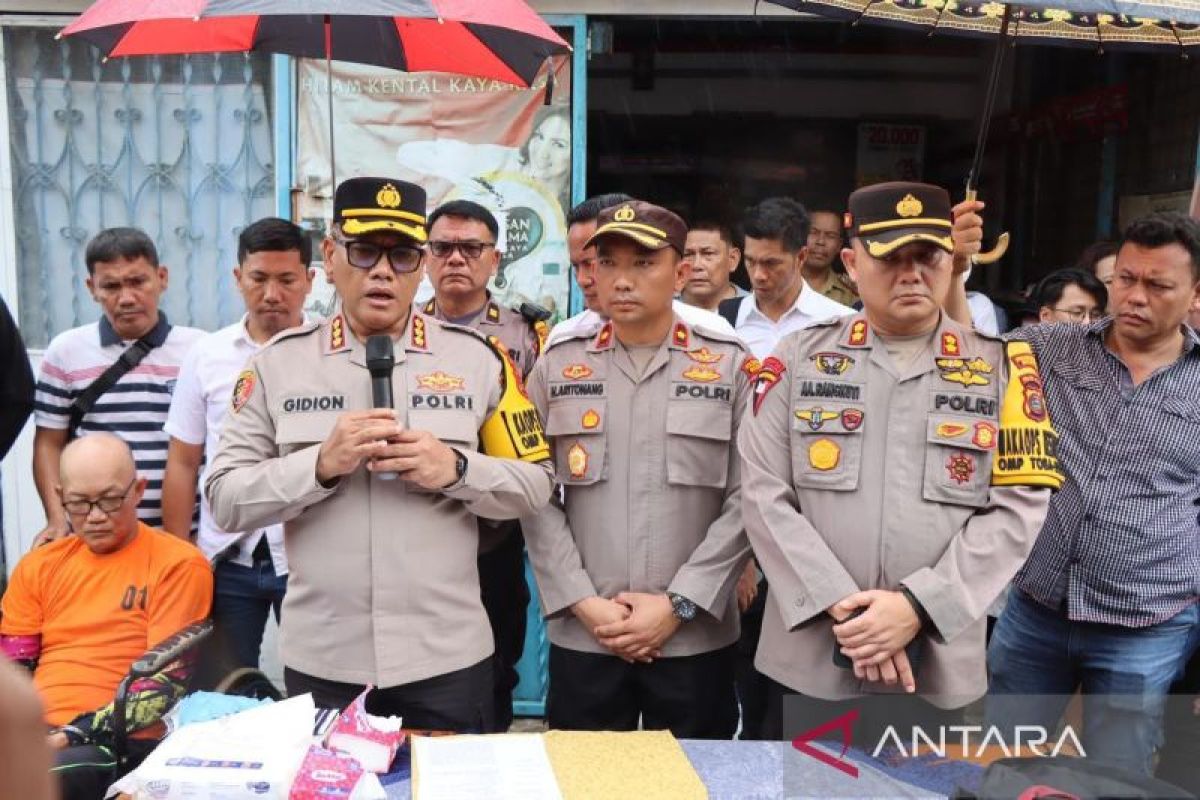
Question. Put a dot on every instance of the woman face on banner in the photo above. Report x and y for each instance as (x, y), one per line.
(549, 150)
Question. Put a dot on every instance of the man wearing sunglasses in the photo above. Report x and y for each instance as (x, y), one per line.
(379, 505)
(462, 259)
(82, 608)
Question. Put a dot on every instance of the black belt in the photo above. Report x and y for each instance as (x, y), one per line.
(262, 550)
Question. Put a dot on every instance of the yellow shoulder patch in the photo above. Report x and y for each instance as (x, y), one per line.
(1026, 451)
(514, 429)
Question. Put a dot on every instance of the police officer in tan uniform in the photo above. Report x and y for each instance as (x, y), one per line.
(462, 258)
(379, 505)
(896, 467)
(636, 570)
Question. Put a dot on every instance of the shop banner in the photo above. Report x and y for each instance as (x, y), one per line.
(460, 138)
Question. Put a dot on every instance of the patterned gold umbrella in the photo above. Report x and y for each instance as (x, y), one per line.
(1102, 24)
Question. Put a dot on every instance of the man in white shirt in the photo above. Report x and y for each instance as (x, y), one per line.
(776, 234)
(581, 224)
(250, 569)
(776, 244)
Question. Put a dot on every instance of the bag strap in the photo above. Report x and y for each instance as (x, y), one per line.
(729, 309)
(86, 399)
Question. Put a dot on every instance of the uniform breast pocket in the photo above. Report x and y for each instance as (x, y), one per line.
(827, 450)
(958, 460)
(451, 427)
(297, 431)
(698, 443)
(577, 433)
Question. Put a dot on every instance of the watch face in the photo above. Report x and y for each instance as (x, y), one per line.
(684, 609)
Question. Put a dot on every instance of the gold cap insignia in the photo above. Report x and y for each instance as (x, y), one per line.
(909, 206)
(388, 197)
(624, 214)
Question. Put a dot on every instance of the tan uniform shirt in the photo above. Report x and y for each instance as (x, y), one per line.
(384, 587)
(839, 289)
(523, 339)
(651, 480)
(858, 476)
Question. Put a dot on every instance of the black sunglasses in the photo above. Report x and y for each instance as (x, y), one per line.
(470, 250)
(403, 258)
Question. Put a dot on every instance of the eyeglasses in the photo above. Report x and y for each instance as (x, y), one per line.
(470, 250)
(1080, 315)
(107, 504)
(403, 258)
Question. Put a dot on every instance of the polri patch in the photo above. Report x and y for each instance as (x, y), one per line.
(243, 389)
(831, 363)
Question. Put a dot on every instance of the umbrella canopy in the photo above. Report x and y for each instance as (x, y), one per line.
(1097, 23)
(500, 39)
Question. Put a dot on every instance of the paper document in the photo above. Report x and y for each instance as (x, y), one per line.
(500, 767)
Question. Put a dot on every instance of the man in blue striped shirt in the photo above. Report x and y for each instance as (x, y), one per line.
(126, 280)
(1107, 601)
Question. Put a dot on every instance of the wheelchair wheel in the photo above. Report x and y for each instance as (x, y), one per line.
(248, 682)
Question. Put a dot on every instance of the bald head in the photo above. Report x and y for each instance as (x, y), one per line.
(97, 467)
(99, 454)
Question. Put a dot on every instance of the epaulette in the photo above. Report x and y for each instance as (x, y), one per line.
(303, 329)
(827, 322)
(585, 333)
(713, 333)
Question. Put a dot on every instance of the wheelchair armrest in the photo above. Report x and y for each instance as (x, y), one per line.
(157, 658)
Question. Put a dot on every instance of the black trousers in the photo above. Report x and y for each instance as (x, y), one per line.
(692, 696)
(505, 598)
(790, 713)
(459, 701)
(85, 772)
(752, 684)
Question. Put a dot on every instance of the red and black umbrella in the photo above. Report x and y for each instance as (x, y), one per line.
(500, 39)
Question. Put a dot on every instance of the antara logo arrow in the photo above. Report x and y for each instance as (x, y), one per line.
(845, 723)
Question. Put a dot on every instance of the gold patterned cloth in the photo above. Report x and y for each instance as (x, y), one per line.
(648, 765)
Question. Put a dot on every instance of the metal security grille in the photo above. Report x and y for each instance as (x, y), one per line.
(179, 146)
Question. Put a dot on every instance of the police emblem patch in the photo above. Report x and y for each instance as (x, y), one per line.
(831, 363)
(816, 417)
(852, 418)
(985, 435)
(1035, 400)
(243, 389)
(702, 374)
(824, 454)
(440, 382)
(705, 356)
(577, 460)
(960, 467)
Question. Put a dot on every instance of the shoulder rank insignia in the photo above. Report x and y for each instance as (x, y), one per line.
(950, 344)
(680, 335)
(704, 356)
(769, 374)
(337, 334)
(702, 374)
(816, 417)
(542, 331)
(493, 313)
(429, 308)
(858, 333)
(243, 389)
(418, 333)
(604, 338)
(831, 363)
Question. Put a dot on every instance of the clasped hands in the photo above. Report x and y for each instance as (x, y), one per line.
(377, 437)
(633, 625)
(875, 640)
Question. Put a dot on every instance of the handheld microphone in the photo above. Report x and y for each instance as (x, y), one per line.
(380, 361)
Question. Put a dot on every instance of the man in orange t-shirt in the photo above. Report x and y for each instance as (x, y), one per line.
(80, 610)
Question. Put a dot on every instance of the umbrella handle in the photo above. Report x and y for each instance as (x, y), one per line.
(1001, 247)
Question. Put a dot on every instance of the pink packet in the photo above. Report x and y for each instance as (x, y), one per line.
(325, 775)
(370, 739)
